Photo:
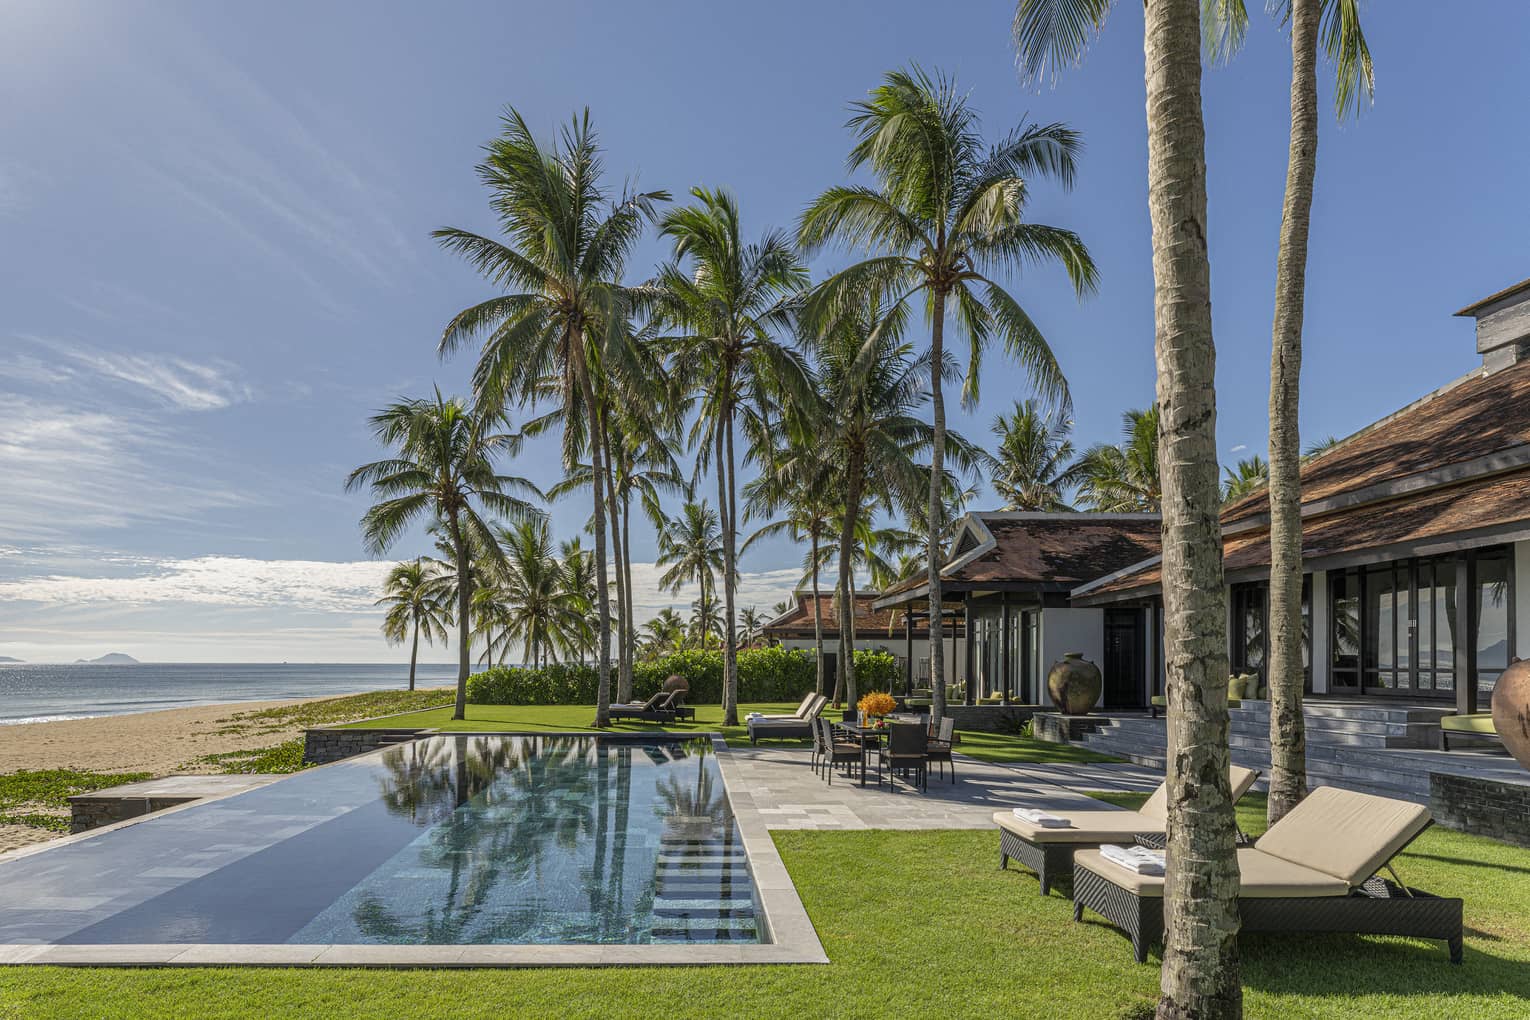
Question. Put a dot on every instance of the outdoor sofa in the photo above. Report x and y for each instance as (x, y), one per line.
(1313, 871)
(1050, 852)
(797, 726)
(1472, 726)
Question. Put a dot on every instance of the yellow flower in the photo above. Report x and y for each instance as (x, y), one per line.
(877, 703)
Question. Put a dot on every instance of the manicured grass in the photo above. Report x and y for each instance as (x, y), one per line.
(915, 924)
(994, 747)
(41, 798)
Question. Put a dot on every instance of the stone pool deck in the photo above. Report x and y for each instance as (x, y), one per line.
(777, 782)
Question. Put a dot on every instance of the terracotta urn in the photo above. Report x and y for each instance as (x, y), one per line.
(1511, 710)
(1074, 684)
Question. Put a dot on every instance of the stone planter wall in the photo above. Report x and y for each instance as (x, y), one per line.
(1484, 807)
(325, 744)
(1057, 728)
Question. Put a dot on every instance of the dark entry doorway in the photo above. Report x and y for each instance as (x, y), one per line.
(1125, 675)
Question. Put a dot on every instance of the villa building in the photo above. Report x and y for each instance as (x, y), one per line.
(1414, 531)
(874, 628)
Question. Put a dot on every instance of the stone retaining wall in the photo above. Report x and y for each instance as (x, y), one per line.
(92, 813)
(1057, 728)
(326, 744)
(1484, 807)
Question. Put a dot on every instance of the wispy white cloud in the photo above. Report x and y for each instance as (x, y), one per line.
(1238, 448)
(177, 382)
(70, 469)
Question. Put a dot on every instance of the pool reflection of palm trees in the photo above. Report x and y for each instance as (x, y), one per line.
(498, 807)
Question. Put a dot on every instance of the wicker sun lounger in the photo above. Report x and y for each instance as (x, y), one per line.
(1049, 852)
(655, 709)
(1313, 871)
(797, 726)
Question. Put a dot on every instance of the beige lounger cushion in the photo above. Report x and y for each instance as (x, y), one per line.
(1263, 877)
(1157, 806)
(1086, 827)
(802, 709)
(1346, 834)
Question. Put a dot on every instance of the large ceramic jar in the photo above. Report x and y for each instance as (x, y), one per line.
(1511, 710)
(1074, 684)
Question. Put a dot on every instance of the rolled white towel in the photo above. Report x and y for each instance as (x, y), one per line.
(1042, 818)
(1136, 859)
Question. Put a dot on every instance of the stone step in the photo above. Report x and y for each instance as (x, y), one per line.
(1318, 710)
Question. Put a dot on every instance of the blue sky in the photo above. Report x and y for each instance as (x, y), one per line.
(216, 257)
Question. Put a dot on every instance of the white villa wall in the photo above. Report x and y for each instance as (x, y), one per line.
(1521, 599)
(1322, 659)
(1072, 630)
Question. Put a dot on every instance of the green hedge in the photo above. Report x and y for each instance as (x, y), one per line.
(764, 674)
(875, 671)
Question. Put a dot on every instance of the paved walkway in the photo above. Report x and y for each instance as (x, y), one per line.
(779, 783)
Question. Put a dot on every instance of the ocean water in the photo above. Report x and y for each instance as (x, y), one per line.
(44, 693)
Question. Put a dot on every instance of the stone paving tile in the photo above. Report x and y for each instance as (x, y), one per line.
(780, 785)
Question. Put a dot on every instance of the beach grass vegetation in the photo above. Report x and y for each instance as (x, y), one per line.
(39, 798)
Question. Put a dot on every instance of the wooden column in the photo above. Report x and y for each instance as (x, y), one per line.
(967, 648)
(1004, 627)
(908, 651)
(1466, 633)
(1028, 693)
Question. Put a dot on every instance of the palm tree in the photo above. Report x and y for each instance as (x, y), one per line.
(728, 304)
(689, 546)
(753, 623)
(1248, 476)
(416, 605)
(577, 582)
(442, 469)
(1124, 479)
(1034, 466)
(1200, 959)
(541, 614)
(1318, 447)
(945, 211)
(795, 480)
(664, 633)
(706, 621)
(1337, 23)
(567, 248)
(873, 390)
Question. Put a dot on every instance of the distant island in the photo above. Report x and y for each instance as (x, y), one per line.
(110, 659)
(7, 658)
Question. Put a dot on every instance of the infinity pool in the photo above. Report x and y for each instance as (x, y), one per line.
(448, 840)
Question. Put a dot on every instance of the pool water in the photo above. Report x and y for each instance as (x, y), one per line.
(447, 840)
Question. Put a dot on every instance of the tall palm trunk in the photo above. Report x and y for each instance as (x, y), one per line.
(602, 586)
(626, 568)
(1288, 730)
(1200, 976)
(730, 578)
(846, 571)
(623, 678)
(936, 507)
(817, 613)
(724, 484)
(414, 652)
(464, 629)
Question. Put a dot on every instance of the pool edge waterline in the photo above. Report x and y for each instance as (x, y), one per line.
(787, 933)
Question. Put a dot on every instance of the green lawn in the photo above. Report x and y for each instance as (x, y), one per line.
(992, 747)
(915, 924)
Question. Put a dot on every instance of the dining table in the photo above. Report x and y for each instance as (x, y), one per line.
(868, 736)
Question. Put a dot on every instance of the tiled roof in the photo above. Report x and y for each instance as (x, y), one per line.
(1477, 417)
(1410, 520)
(1041, 552)
(797, 622)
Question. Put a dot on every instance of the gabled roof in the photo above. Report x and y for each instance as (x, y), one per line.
(1035, 552)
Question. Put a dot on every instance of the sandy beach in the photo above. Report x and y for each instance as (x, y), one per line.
(162, 743)
(158, 742)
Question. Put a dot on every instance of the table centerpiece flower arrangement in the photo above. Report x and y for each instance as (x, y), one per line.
(876, 705)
